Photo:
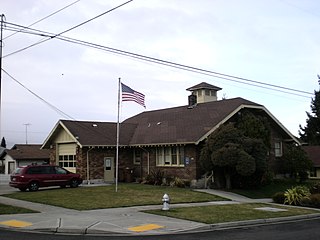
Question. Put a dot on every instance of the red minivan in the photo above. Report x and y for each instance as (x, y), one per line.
(34, 176)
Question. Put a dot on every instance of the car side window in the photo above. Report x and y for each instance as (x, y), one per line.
(60, 170)
(35, 170)
(49, 170)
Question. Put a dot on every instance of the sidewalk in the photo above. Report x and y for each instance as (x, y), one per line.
(114, 221)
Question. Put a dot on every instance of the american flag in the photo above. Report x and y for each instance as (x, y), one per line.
(128, 94)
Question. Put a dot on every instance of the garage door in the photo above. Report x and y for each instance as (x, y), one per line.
(67, 156)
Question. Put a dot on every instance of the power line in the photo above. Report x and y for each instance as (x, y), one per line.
(50, 15)
(56, 109)
(37, 96)
(72, 28)
(166, 63)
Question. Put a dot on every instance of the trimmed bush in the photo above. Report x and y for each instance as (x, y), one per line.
(278, 197)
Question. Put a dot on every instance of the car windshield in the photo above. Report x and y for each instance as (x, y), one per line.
(17, 171)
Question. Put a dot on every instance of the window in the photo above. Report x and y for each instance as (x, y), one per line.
(60, 170)
(137, 156)
(207, 92)
(67, 161)
(40, 170)
(170, 156)
(278, 149)
(199, 93)
(35, 170)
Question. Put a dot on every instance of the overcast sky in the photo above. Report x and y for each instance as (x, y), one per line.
(271, 41)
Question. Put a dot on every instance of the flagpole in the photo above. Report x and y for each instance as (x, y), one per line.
(117, 148)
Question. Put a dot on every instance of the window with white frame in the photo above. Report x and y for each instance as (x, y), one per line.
(278, 148)
(137, 156)
(170, 156)
(67, 161)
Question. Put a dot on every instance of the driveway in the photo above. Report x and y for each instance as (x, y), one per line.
(5, 189)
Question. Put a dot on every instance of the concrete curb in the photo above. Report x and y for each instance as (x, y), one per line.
(209, 227)
(239, 224)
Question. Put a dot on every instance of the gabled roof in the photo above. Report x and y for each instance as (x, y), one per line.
(178, 125)
(28, 152)
(313, 153)
(182, 125)
(99, 133)
(92, 133)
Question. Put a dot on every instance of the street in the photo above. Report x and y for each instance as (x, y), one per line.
(302, 230)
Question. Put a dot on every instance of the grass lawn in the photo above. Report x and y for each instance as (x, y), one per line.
(7, 209)
(269, 190)
(86, 198)
(229, 213)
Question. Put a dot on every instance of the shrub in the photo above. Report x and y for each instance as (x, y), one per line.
(315, 200)
(315, 188)
(278, 197)
(303, 176)
(177, 182)
(155, 177)
(306, 202)
(293, 196)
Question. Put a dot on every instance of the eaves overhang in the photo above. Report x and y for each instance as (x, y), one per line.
(46, 143)
(252, 107)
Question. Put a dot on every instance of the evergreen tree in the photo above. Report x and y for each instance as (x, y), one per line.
(296, 162)
(3, 143)
(230, 154)
(254, 126)
(311, 132)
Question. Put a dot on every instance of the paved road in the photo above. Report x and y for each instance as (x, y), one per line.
(302, 230)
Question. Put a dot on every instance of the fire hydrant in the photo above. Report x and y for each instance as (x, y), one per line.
(166, 201)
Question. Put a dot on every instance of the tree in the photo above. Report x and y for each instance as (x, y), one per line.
(311, 132)
(3, 143)
(229, 153)
(254, 126)
(296, 162)
(257, 149)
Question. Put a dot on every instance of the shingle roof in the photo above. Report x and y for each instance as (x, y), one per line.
(28, 151)
(177, 125)
(182, 124)
(313, 153)
(203, 85)
(90, 133)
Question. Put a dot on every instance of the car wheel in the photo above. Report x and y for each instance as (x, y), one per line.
(34, 186)
(74, 183)
(22, 189)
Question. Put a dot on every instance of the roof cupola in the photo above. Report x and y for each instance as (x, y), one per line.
(202, 93)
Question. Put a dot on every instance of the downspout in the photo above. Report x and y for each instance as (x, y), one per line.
(88, 167)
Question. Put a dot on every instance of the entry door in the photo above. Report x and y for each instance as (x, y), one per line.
(109, 169)
(11, 167)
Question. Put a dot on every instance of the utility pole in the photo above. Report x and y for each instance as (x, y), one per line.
(1, 46)
(27, 125)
